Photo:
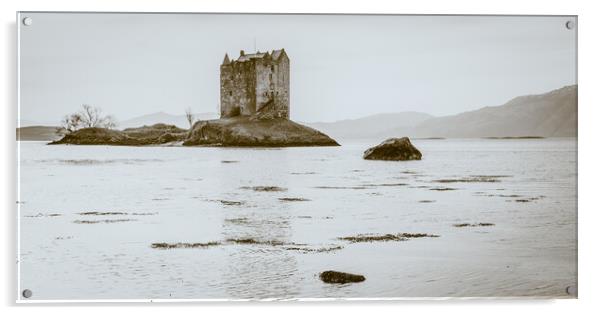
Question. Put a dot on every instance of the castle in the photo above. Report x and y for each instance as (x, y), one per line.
(255, 85)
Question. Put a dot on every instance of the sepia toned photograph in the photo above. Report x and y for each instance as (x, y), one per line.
(213, 156)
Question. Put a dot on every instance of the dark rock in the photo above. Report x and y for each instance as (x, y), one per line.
(248, 132)
(332, 276)
(394, 149)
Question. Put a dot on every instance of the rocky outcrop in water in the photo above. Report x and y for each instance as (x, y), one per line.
(146, 135)
(332, 276)
(252, 132)
(394, 149)
(229, 132)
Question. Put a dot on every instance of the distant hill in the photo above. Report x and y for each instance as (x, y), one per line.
(552, 114)
(164, 118)
(38, 133)
(371, 126)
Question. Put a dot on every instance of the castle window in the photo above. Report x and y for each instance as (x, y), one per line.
(270, 76)
(230, 93)
(272, 68)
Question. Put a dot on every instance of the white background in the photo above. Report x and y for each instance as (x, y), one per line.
(590, 208)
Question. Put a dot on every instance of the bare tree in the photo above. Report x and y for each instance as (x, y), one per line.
(88, 117)
(109, 122)
(72, 122)
(189, 116)
(91, 116)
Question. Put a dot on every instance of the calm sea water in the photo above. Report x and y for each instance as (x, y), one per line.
(188, 195)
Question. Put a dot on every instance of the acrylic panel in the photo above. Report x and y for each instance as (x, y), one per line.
(191, 156)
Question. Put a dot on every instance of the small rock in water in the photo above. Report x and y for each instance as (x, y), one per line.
(332, 276)
(394, 149)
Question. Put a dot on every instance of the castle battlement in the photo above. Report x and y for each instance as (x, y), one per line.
(255, 84)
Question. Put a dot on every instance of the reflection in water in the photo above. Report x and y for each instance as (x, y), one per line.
(259, 270)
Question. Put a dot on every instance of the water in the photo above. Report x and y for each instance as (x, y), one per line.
(175, 194)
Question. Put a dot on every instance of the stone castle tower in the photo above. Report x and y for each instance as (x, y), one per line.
(255, 84)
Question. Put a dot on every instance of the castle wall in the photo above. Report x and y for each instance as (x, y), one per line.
(237, 88)
(263, 88)
(282, 88)
(273, 84)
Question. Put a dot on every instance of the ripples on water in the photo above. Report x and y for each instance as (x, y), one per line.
(276, 219)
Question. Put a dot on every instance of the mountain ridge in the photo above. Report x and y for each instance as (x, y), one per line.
(550, 114)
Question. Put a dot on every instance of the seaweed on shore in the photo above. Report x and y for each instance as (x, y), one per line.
(443, 188)
(304, 250)
(264, 188)
(342, 187)
(529, 199)
(291, 199)
(237, 220)
(471, 179)
(385, 185)
(230, 202)
(40, 215)
(102, 221)
(399, 237)
(416, 235)
(409, 172)
(473, 224)
(183, 245)
(102, 213)
(246, 241)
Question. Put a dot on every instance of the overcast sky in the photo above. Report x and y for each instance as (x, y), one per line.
(342, 66)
